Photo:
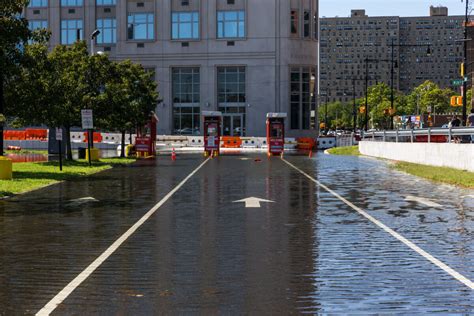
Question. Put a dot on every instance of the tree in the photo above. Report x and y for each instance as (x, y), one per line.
(128, 98)
(14, 33)
(427, 95)
(52, 88)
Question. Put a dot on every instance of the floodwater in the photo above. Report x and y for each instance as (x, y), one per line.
(202, 252)
(16, 158)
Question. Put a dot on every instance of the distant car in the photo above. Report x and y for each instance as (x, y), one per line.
(445, 126)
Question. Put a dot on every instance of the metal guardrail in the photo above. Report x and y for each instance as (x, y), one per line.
(452, 134)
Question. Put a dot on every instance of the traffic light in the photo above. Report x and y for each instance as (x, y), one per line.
(462, 70)
(456, 100)
(322, 126)
(362, 110)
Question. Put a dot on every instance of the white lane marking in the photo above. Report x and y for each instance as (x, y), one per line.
(423, 201)
(461, 278)
(83, 200)
(253, 202)
(61, 296)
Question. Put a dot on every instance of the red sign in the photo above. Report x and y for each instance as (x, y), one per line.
(142, 144)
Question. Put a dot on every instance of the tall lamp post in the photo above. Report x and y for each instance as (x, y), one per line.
(326, 110)
(392, 71)
(367, 61)
(464, 99)
(94, 35)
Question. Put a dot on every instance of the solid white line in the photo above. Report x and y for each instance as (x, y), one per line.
(461, 278)
(61, 296)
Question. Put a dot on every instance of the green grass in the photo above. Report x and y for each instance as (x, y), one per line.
(438, 174)
(31, 176)
(345, 151)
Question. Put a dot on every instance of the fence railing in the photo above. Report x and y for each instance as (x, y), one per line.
(429, 135)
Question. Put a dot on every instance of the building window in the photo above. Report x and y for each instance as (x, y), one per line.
(71, 3)
(38, 3)
(306, 24)
(141, 26)
(294, 22)
(186, 97)
(301, 98)
(231, 24)
(108, 31)
(71, 31)
(106, 2)
(37, 24)
(231, 85)
(185, 25)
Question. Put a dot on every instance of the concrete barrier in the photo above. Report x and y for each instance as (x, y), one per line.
(458, 156)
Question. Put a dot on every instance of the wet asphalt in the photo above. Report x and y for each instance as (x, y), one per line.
(201, 253)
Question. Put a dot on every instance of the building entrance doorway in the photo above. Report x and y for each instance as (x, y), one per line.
(233, 125)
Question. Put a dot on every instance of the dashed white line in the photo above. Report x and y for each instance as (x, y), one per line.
(61, 296)
(423, 201)
(456, 275)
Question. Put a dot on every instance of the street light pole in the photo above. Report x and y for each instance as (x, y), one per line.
(366, 94)
(464, 99)
(391, 87)
(326, 110)
(354, 112)
(2, 116)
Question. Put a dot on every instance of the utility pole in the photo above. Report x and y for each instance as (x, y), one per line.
(464, 99)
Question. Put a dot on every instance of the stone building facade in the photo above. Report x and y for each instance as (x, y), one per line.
(243, 57)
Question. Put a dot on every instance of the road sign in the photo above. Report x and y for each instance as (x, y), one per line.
(87, 119)
(429, 108)
(457, 82)
(59, 134)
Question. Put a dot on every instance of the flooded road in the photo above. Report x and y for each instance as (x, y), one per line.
(304, 250)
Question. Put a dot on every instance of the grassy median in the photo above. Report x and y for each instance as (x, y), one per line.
(438, 174)
(30, 176)
(345, 151)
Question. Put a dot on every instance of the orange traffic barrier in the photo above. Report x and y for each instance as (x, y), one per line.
(231, 142)
(306, 143)
(36, 134)
(14, 135)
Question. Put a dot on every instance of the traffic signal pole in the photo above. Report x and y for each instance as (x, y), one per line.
(464, 99)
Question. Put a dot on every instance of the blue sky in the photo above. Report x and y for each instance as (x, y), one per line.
(342, 8)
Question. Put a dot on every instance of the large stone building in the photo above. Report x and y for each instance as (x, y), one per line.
(346, 43)
(242, 57)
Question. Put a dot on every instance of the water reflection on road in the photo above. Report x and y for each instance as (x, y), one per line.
(202, 253)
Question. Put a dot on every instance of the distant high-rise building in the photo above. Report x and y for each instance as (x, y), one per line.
(346, 43)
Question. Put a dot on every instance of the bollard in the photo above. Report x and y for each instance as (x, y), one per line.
(94, 156)
(429, 135)
(173, 155)
(6, 172)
